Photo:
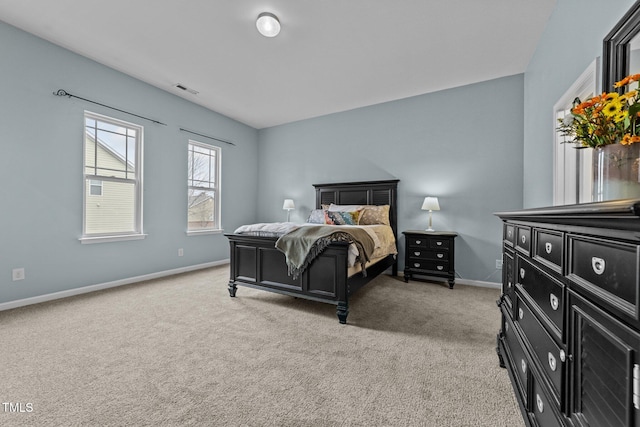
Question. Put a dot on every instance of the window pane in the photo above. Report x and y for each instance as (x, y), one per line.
(113, 211)
(201, 210)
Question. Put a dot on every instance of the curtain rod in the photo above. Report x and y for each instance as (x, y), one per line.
(62, 92)
(206, 136)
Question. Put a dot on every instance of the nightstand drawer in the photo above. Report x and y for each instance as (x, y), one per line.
(428, 255)
(417, 242)
(439, 243)
(428, 265)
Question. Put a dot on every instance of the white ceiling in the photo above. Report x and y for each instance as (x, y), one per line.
(331, 55)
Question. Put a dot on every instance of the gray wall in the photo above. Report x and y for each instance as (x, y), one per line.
(571, 41)
(41, 138)
(463, 145)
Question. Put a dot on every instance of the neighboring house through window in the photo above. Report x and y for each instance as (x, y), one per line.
(112, 179)
(203, 204)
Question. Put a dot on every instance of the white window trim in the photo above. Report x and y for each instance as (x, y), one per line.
(113, 237)
(218, 192)
(588, 83)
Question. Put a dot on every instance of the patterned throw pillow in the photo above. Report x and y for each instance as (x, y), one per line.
(316, 217)
(375, 215)
(341, 218)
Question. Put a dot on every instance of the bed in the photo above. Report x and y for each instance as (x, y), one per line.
(257, 263)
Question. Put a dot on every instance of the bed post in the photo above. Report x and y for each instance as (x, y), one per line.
(342, 311)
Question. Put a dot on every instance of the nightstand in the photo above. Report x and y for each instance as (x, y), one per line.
(430, 253)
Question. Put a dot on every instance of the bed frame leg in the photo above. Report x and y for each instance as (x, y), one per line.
(232, 289)
(342, 311)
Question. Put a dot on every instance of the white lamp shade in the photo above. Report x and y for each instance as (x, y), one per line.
(268, 24)
(430, 204)
(288, 204)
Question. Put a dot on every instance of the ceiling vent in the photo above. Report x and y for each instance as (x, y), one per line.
(186, 89)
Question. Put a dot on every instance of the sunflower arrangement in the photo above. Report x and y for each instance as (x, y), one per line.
(610, 118)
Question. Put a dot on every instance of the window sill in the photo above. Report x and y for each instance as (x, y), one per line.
(106, 239)
(205, 232)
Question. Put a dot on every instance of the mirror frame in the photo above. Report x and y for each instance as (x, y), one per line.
(615, 49)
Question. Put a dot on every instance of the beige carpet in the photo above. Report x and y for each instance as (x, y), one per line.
(179, 351)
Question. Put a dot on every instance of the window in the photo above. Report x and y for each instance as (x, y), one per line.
(112, 179)
(203, 205)
(572, 167)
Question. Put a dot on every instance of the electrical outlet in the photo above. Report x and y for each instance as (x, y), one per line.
(17, 274)
(499, 264)
(180, 252)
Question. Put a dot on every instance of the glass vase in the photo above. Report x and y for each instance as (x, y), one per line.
(615, 172)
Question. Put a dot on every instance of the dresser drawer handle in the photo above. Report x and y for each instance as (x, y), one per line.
(523, 366)
(509, 233)
(548, 247)
(554, 301)
(418, 242)
(520, 313)
(440, 256)
(539, 403)
(439, 267)
(598, 265)
(439, 243)
(416, 264)
(509, 284)
(523, 238)
(416, 253)
(522, 273)
(552, 362)
(563, 356)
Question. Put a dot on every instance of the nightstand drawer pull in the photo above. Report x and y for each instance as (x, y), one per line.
(416, 264)
(554, 301)
(548, 247)
(552, 362)
(418, 242)
(539, 403)
(416, 253)
(522, 273)
(439, 267)
(440, 256)
(598, 265)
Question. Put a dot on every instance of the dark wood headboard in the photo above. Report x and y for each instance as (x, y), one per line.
(361, 193)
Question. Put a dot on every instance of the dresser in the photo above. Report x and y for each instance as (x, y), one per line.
(570, 330)
(430, 253)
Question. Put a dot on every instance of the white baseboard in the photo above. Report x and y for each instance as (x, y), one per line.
(479, 283)
(92, 288)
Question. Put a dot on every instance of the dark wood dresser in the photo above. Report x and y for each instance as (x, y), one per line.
(430, 253)
(570, 334)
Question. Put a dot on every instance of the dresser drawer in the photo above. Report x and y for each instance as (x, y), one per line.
(543, 410)
(549, 249)
(428, 254)
(550, 357)
(509, 233)
(508, 279)
(523, 239)
(547, 293)
(516, 355)
(606, 269)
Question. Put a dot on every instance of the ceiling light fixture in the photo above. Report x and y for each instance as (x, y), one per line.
(268, 24)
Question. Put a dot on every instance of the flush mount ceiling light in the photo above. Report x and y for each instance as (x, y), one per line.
(268, 24)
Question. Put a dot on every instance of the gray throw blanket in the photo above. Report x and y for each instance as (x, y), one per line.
(303, 245)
